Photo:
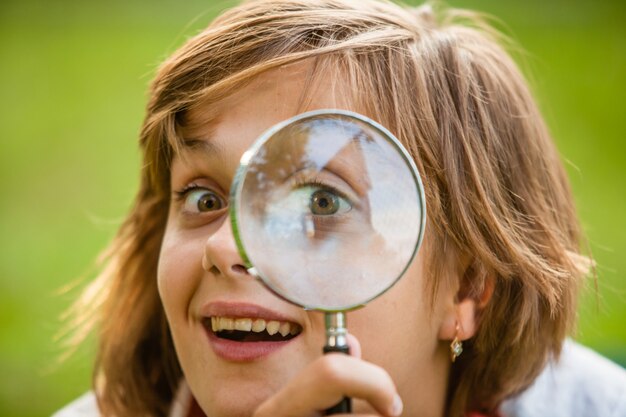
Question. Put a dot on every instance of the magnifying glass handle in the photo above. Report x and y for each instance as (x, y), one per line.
(336, 341)
(345, 405)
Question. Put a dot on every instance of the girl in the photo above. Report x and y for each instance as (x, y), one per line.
(481, 312)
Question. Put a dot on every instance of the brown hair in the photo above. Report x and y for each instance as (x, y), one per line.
(495, 188)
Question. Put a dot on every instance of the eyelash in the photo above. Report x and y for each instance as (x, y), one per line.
(182, 193)
(314, 182)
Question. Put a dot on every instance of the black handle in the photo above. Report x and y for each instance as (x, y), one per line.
(345, 405)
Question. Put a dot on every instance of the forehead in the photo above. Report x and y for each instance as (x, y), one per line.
(230, 125)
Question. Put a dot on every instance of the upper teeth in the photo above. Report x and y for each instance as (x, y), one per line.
(255, 325)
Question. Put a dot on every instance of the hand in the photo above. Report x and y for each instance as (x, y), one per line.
(328, 379)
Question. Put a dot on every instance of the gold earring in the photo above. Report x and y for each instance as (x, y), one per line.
(456, 347)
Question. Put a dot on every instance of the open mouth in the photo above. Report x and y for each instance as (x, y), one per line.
(241, 329)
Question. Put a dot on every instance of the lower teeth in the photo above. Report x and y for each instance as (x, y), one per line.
(239, 336)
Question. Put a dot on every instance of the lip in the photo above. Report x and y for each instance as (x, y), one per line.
(242, 310)
(234, 351)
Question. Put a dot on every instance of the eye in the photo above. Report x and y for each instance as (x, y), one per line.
(322, 200)
(324, 203)
(202, 200)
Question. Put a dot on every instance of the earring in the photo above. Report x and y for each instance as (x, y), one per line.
(456, 347)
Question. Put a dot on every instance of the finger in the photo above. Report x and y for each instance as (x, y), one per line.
(326, 381)
(355, 345)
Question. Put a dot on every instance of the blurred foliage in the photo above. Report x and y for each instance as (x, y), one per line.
(73, 77)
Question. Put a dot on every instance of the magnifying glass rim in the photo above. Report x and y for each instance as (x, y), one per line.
(242, 171)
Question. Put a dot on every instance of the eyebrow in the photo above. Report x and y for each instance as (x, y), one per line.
(206, 147)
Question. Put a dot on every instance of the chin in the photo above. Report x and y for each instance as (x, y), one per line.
(234, 387)
(234, 403)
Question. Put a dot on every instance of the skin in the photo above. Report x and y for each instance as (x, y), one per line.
(404, 340)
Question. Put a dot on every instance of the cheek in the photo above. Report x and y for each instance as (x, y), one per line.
(398, 330)
(180, 261)
(400, 315)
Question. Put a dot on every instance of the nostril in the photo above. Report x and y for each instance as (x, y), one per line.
(239, 269)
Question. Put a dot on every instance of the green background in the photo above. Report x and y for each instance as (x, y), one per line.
(73, 81)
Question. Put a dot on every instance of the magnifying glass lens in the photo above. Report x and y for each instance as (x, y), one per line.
(328, 209)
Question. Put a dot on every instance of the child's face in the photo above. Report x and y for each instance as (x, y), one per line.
(200, 275)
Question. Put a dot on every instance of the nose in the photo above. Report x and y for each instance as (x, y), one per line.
(221, 256)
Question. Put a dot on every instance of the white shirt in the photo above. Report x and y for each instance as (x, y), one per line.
(581, 384)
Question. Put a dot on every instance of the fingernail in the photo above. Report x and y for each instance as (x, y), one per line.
(396, 408)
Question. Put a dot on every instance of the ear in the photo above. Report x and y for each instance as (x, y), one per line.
(463, 315)
(472, 295)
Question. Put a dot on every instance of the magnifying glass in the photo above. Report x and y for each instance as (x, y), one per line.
(328, 211)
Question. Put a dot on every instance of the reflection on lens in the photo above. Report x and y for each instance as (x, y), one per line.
(329, 209)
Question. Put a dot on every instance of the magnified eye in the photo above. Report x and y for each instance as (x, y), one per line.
(313, 200)
(324, 203)
(203, 200)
